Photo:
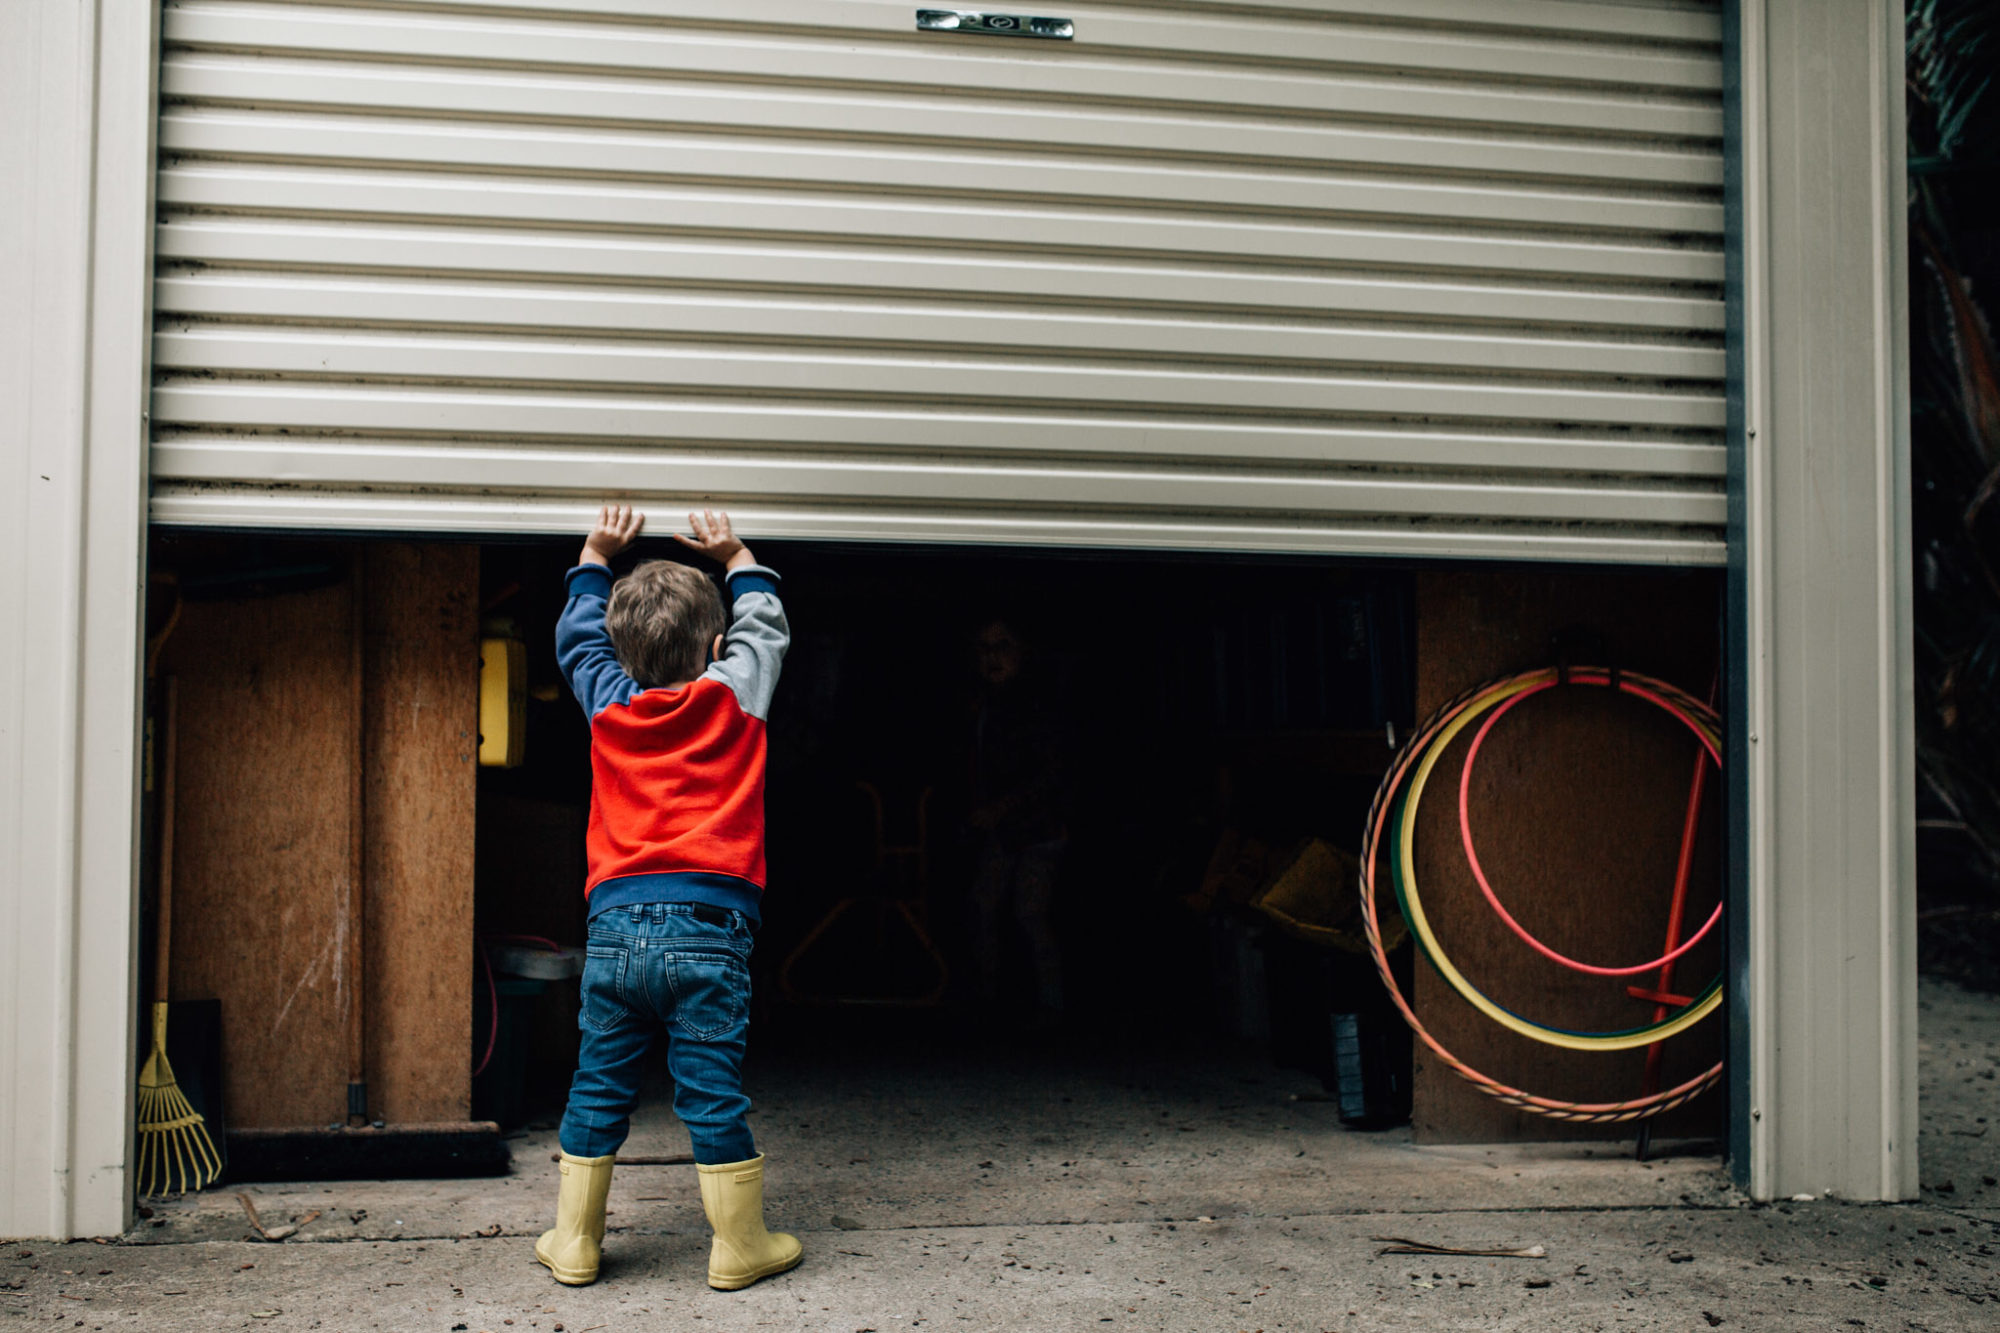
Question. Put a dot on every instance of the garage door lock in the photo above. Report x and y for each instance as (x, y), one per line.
(994, 25)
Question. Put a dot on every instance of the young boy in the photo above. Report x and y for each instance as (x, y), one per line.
(676, 705)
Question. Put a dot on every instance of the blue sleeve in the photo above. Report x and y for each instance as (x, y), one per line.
(584, 650)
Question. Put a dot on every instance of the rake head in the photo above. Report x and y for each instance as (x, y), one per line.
(175, 1153)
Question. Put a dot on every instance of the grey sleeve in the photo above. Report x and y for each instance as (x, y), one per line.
(754, 648)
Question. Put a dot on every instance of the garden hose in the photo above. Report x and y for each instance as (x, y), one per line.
(1391, 822)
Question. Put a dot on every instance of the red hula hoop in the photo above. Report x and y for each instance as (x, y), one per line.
(1638, 1108)
(1479, 873)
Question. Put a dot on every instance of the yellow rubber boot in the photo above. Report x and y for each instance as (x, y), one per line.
(732, 1194)
(571, 1248)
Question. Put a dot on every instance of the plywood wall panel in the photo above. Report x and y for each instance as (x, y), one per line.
(422, 708)
(260, 859)
(262, 867)
(1577, 803)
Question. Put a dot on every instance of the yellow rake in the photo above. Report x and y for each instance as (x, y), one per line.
(175, 1152)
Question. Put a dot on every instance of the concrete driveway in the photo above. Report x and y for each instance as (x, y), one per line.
(1204, 1195)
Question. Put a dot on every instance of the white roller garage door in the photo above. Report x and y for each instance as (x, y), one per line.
(1380, 276)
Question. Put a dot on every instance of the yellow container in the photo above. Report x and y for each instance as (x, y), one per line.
(503, 702)
(1315, 898)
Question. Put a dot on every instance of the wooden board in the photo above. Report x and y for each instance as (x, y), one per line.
(1577, 807)
(423, 728)
(260, 860)
(261, 853)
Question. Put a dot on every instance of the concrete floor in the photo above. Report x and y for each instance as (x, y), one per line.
(1203, 1194)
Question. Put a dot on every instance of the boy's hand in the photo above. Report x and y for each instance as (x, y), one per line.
(616, 528)
(714, 539)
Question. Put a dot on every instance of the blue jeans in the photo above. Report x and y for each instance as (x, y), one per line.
(678, 966)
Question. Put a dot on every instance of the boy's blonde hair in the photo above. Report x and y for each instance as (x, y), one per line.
(662, 619)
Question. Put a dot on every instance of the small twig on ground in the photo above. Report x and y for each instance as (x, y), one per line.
(1403, 1245)
(275, 1233)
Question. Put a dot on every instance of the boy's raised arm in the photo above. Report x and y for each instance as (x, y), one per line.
(583, 649)
(754, 648)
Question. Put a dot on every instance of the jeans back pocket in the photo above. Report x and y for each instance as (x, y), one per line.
(603, 986)
(711, 993)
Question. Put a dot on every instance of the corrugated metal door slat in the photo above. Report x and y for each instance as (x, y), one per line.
(829, 36)
(631, 86)
(702, 316)
(875, 119)
(623, 420)
(892, 169)
(1427, 278)
(1132, 283)
(1015, 228)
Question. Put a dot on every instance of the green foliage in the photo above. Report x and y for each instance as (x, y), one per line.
(1951, 50)
(1954, 147)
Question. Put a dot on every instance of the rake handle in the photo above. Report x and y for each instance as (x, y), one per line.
(163, 946)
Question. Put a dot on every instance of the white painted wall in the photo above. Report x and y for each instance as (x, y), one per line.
(76, 125)
(1823, 715)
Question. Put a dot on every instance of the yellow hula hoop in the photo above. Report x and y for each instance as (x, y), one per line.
(1422, 927)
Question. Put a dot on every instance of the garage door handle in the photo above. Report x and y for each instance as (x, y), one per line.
(994, 25)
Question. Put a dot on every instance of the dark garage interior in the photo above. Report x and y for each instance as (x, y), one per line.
(1203, 737)
(1198, 723)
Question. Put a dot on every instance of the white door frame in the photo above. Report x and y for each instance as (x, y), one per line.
(1823, 1052)
(76, 159)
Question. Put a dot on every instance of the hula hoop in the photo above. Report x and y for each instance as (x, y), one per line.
(1638, 1108)
(1412, 902)
(1569, 1038)
(1493, 899)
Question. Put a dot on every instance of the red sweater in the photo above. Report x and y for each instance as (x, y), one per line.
(677, 775)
